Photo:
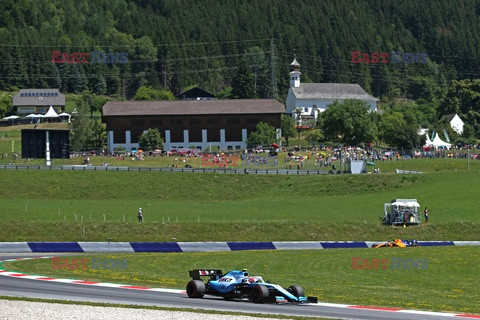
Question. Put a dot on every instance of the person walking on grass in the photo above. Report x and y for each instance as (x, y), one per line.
(139, 215)
(425, 213)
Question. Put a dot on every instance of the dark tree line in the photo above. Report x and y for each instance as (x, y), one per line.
(174, 44)
(242, 49)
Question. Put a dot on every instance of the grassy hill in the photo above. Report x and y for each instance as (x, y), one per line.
(84, 205)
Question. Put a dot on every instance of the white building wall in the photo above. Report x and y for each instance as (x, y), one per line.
(128, 145)
(307, 104)
(110, 147)
(457, 124)
(203, 145)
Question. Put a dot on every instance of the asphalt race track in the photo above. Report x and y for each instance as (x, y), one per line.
(55, 290)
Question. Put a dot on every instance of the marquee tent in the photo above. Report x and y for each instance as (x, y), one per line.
(51, 113)
(437, 142)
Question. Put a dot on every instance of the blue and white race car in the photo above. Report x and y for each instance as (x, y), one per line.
(238, 284)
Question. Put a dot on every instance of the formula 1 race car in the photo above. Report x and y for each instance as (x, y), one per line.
(396, 243)
(237, 284)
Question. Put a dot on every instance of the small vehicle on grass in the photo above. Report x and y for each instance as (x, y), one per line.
(238, 284)
(401, 212)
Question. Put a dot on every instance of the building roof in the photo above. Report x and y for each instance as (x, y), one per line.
(192, 107)
(449, 117)
(195, 93)
(333, 91)
(295, 63)
(39, 97)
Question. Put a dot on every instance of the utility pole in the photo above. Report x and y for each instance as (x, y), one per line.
(468, 158)
(273, 66)
(165, 76)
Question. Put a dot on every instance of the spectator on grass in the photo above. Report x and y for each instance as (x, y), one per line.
(425, 213)
(139, 215)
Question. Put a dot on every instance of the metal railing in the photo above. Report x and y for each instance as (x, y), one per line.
(163, 169)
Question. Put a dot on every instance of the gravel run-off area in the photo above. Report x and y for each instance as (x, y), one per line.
(23, 310)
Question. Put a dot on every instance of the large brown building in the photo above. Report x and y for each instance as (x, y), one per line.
(189, 123)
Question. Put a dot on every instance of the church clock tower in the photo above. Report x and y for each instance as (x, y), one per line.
(295, 74)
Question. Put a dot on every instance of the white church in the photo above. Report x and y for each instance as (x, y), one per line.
(313, 98)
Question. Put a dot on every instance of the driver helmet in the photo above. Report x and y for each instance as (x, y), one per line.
(251, 280)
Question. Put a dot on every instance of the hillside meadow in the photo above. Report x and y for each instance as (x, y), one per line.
(96, 206)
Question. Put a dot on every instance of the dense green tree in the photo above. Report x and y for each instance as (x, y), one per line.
(264, 135)
(93, 102)
(463, 98)
(426, 88)
(396, 131)
(350, 122)
(468, 135)
(100, 86)
(167, 46)
(225, 93)
(243, 83)
(98, 136)
(149, 93)
(81, 126)
(6, 105)
(288, 127)
(313, 137)
(151, 140)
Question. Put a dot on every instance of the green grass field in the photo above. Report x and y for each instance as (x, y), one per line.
(449, 283)
(52, 205)
(96, 206)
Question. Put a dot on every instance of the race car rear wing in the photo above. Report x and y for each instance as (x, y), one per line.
(213, 274)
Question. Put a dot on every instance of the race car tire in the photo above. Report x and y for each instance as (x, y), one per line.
(296, 290)
(195, 289)
(258, 294)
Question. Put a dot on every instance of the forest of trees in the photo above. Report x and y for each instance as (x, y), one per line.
(172, 45)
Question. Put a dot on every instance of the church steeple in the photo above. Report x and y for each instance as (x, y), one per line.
(295, 74)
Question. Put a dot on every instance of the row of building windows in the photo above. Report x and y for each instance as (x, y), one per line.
(178, 135)
(237, 147)
(39, 94)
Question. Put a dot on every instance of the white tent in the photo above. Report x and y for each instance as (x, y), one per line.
(33, 115)
(51, 113)
(11, 117)
(437, 142)
(66, 115)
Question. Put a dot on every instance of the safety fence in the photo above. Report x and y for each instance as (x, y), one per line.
(172, 169)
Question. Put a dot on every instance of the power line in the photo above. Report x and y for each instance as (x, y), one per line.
(133, 45)
(273, 70)
(97, 75)
(145, 61)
